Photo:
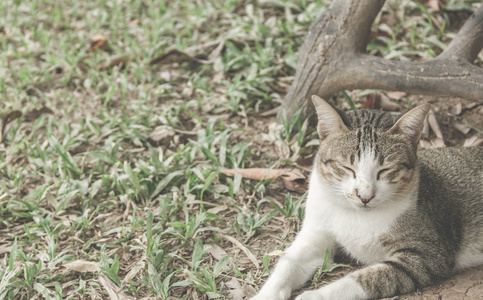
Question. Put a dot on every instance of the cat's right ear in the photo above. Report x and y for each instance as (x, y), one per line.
(329, 120)
(411, 123)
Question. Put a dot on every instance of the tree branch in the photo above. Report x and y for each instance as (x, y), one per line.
(442, 77)
(333, 57)
(469, 41)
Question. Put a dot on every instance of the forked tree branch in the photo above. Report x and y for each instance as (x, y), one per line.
(469, 41)
(333, 56)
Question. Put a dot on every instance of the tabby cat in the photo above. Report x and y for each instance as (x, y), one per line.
(411, 219)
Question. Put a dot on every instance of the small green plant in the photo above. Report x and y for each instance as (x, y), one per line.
(327, 268)
(291, 208)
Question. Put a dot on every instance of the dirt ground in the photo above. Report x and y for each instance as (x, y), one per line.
(467, 284)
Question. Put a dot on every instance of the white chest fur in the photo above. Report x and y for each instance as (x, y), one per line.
(358, 231)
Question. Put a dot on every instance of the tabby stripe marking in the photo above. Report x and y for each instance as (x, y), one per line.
(404, 270)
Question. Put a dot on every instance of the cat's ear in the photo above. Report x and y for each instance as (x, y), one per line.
(329, 119)
(411, 123)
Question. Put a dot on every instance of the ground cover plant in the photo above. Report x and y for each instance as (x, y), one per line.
(122, 124)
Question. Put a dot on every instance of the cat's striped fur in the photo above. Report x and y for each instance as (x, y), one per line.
(412, 219)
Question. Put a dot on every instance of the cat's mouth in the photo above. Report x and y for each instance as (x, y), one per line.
(364, 206)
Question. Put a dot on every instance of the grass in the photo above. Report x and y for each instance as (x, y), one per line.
(116, 187)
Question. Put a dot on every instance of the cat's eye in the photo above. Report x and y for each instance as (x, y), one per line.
(380, 172)
(349, 169)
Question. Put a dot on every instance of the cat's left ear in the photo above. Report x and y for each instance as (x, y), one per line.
(329, 119)
(411, 123)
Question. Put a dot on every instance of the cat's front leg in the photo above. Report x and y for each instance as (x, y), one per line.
(346, 288)
(402, 273)
(299, 263)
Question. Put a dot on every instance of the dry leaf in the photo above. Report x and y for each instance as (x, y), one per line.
(98, 41)
(177, 56)
(5, 119)
(5, 249)
(235, 242)
(462, 127)
(456, 110)
(256, 173)
(387, 104)
(120, 62)
(36, 113)
(161, 132)
(433, 123)
(81, 266)
(425, 130)
(236, 290)
(112, 289)
(216, 52)
(171, 57)
(435, 4)
(293, 179)
(473, 141)
(396, 95)
(135, 269)
(373, 101)
(277, 253)
(216, 251)
(271, 112)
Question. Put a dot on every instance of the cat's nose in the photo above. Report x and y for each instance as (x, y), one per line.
(365, 198)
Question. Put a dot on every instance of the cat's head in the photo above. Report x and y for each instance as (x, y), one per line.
(368, 158)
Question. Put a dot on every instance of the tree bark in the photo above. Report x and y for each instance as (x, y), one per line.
(334, 56)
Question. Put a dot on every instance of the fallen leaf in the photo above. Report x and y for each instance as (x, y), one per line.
(236, 290)
(456, 110)
(277, 253)
(462, 128)
(112, 289)
(473, 141)
(216, 251)
(256, 173)
(249, 254)
(134, 270)
(216, 52)
(5, 119)
(5, 248)
(120, 62)
(433, 123)
(162, 132)
(425, 130)
(387, 104)
(435, 4)
(81, 266)
(173, 56)
(271, 112)
(396, 95)
(293, 179)
(36, 113)
(373, 101)
(98, 41)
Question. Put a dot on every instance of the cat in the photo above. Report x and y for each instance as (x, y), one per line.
(412, 217)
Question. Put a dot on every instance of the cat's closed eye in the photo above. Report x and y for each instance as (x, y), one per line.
(381, 172)
(349, 169)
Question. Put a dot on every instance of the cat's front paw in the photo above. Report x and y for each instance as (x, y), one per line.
(274, 294)
(311, 295)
